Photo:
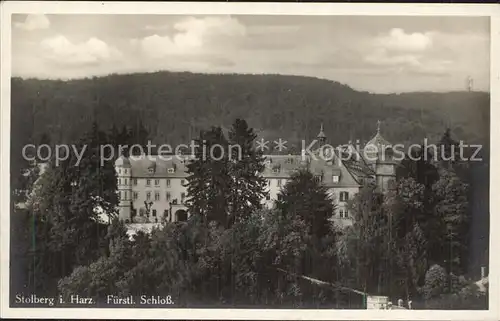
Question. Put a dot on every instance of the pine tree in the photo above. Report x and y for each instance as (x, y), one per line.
(305, 210)
(245, 168)
(370, 242)
(304, 197)
(451, 208)
(209, 182)
(448, 152)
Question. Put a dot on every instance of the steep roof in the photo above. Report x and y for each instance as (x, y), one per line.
(276, 166)
(159, 166)
(378, 141)
(122, 161)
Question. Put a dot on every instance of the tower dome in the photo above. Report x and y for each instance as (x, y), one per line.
(378, 141)
(122, 161)
(321, 134)
(378, 148)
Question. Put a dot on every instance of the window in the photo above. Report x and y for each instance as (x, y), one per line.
(157, 196)
(141, 211)
(276, 170)
(157, 182)
(317, 178)
(136, 195)
(168, 196)
(170, 170)
(126, 181)
(183, 181)
(119, 181)
(336, 178)
(135, 181)
(125, 171)
(154, 213)
(280, 197)
(344, 196)
(279, 182)
(151, 170)
(119, 171)
(125, 195)
(183, 196)
(168, 183)
(148, 182)
(268, 197)
(289, 161)
(148, 196)
(343, 213)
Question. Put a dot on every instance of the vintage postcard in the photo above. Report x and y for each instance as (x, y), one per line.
(249, 161)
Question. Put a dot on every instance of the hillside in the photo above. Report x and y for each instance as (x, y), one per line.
(175, 106)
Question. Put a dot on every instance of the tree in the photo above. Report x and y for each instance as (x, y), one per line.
(448, 152)
(304, 211)
(100, 278)
(411, 258)
(435, 282)
(209, 181)
(246, 164)
(305, 198)
(451, 208)
(66, 223)
(368, 243)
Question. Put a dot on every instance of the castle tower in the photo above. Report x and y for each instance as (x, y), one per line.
(321, 136)
(379, 153)
(124, 185)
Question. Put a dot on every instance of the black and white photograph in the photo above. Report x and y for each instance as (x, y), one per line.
(297, 165)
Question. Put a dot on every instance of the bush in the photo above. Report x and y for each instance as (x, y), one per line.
(435, 282)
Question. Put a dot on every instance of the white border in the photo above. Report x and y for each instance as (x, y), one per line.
(8, 8)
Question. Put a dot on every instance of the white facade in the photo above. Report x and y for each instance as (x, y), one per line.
(153, 189)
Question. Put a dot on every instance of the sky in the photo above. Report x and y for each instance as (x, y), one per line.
(379, 54)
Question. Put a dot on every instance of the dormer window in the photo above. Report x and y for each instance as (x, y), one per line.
(336, 178)
(151, 170)
(170, 170)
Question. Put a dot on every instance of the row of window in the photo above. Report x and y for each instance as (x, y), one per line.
(343, 213)
(343, 197)
(319, 178)
(168, 182)
(148, 182)
(287, 161)
(135, 196)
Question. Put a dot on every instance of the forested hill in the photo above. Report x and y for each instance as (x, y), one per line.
(175, 106)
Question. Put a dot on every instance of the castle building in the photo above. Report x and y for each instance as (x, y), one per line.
(153, 189)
